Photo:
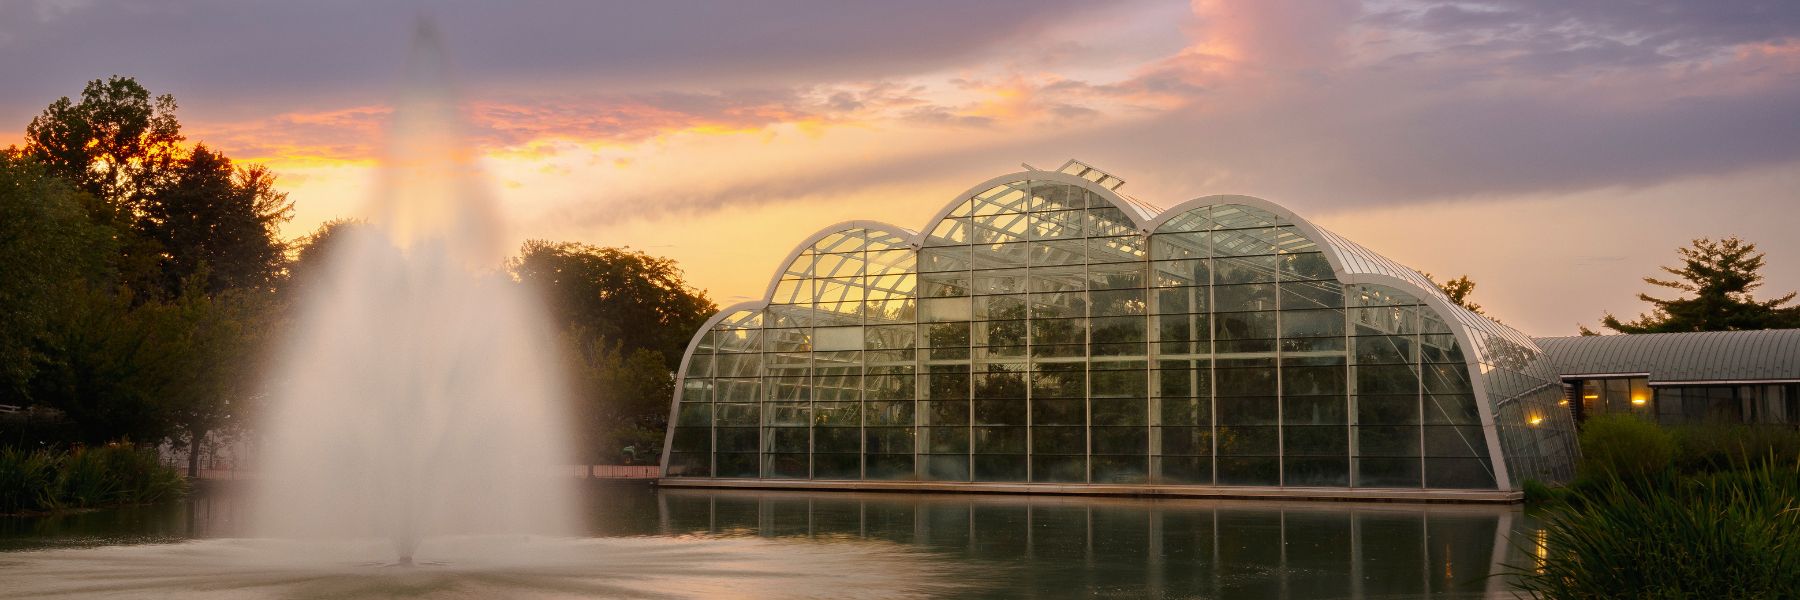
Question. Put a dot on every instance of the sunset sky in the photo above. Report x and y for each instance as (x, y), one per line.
(1553, 150)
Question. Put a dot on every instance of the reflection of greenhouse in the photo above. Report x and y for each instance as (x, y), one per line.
(1046, 329)
(1059, 547)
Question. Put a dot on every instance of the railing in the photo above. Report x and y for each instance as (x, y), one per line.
(625, 471)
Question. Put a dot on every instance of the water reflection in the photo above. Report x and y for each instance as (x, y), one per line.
(1048, 547)
(995, 546)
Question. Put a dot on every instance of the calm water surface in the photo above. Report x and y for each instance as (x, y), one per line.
(731, 544)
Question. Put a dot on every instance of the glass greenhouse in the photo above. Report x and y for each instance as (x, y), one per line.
(1045, 328)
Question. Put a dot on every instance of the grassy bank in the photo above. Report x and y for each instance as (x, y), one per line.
(1692, 512)
(44, 481)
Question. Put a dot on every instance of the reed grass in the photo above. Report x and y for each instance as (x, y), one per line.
(40, 481)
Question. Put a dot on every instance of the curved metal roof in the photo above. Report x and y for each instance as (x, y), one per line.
(1705, 356)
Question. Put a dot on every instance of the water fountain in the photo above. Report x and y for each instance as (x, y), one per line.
(419, 394)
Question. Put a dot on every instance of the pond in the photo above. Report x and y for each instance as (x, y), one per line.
(647, 542)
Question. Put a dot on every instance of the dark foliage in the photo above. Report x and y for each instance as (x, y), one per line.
(636, 300)
(1733, 534)
(1720, 276)
(113, 474)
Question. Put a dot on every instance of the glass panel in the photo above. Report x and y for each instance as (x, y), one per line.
(1186, 469)
(1121, 411)
(1248, 269)
(1186, 441)
(1117, 302)
(1059, 411)
(1388, 472)
(1255, 296)
(1120, 469)
(1316, 471)
(1305, 266)
(1186, 411)
(1312, 323)
(1248, 471)
(1070, 469)
(991, 467)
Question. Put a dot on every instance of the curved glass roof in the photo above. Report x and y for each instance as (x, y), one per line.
(991, 222)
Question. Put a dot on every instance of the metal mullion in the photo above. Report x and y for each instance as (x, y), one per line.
(1030, 371)
(1351, 421)
(1418, 350)
(812, 389)
(862, 376)
(712, 455)
(762, 397)
(969, 360)
(920, 383)
(1152, 374)
(1280, 397)
(1212, 363)
(1087, 368)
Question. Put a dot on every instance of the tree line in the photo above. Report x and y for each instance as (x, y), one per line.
(145, 280)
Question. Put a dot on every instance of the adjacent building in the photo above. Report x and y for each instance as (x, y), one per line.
(1750, 377)
(1044, 332)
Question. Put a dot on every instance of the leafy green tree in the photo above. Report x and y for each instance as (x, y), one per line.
(220, 218)
(630, 298)
(102, 367)
(622, 397)
(1721, 276)
(47, 247)
(215, 343)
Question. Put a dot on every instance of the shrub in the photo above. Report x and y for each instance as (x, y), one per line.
(1723, 535)
(138, 475)
(83, 480)
(1723, 446)
(1539, 493)
(41, 480)
(1623, 447)
(27, 481)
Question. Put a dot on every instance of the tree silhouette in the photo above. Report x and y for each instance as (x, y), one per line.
(117, 143)
(216, 216)
(1458, 290)
(1720, 275)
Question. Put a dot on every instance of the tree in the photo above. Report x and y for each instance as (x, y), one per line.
(214, 343)
(120, 146)
(117, 144)
(627, 297)
(102, 367)
(219, 218)
(310, 251)
(159, 344)
(1458, 290)
(1721, 276)
(47, 246)
(622, 397)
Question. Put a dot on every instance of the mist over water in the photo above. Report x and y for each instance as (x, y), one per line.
(419, 392)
